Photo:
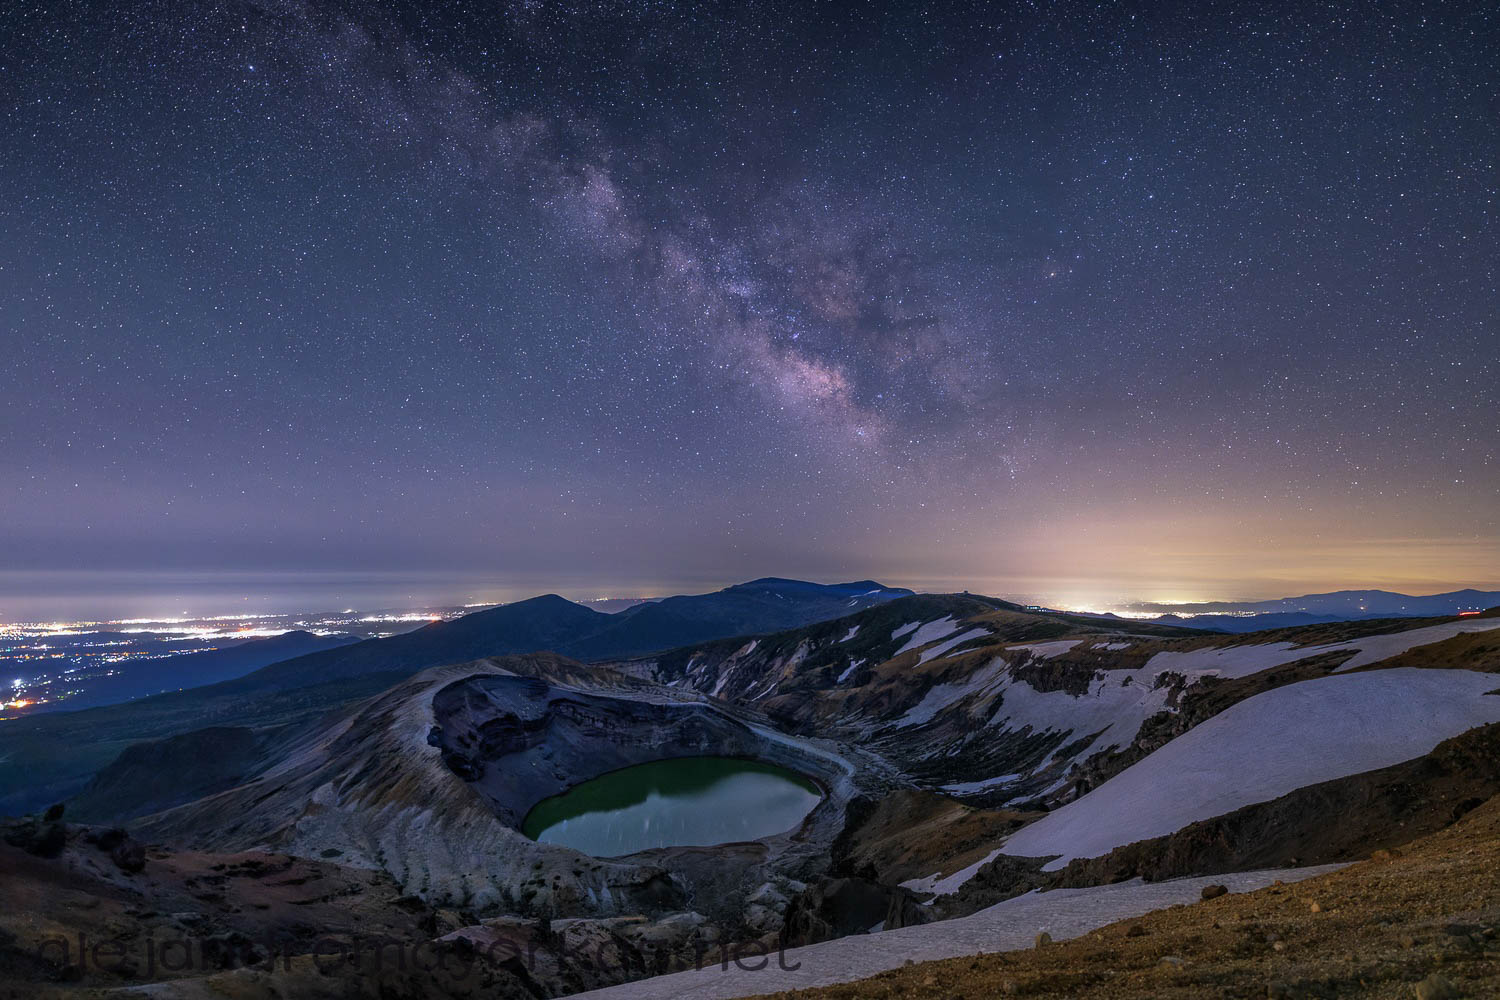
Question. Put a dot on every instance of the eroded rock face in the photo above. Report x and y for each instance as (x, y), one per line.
(519, 740)
(837, 907)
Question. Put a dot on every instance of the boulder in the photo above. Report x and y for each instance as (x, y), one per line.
(129, 855)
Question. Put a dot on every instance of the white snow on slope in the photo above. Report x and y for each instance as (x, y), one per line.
(1113, 645)
(1007, 926)
(727, 666)
(1241, 661)
(1229, 661)
(940, 696)
(901, 630)
(849, 670)
(927, 633)
(853, 631)
(933, 652)
(1114, 706)
(1264, 747)
(1047, 650)
(971, 787)
(942, 885)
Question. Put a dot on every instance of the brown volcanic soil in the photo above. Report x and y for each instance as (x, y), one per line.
(214, 921)
(911, 833)
(233, 900)
(1376, 929)
(1469, 651)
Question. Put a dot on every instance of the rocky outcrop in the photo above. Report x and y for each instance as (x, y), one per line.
(257, 925)
(996, 881)
(36, 835)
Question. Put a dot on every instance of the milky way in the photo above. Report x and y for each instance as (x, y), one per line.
(1079, 301)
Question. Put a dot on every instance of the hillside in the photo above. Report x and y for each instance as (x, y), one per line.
(1003, 708)
(557, 625)
(47, 758)
(1426, 913)
(980, 764)
(765, 605)
(546, 622)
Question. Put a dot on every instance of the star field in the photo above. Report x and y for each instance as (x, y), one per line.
(1069, 300)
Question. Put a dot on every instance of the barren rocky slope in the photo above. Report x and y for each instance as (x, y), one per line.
(429, 782)
(986, 701)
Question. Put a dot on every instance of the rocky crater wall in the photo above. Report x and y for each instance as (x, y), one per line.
(518, 740)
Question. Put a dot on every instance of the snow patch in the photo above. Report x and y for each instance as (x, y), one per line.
(1047, 650)
(974, 787)
(901, 630)
(853, 631)
(849, 670)
(942, 885)
(1228, 661)
(933, 652)
(927, 633)
(942, 696)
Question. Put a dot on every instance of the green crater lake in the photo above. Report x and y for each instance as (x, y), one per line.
(687, 802)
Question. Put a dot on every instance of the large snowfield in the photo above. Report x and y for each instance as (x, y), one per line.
(1264, 747)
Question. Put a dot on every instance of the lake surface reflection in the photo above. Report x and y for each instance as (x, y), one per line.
(689, 801)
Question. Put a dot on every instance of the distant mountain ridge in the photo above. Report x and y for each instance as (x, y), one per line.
(555, 624)
(1340, 605)
(770, 604)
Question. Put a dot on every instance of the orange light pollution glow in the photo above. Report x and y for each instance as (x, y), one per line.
(1101, 562)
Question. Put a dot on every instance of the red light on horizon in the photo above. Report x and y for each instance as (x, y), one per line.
(1466, 614)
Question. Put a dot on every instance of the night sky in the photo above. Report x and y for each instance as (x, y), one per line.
(1076, 301)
